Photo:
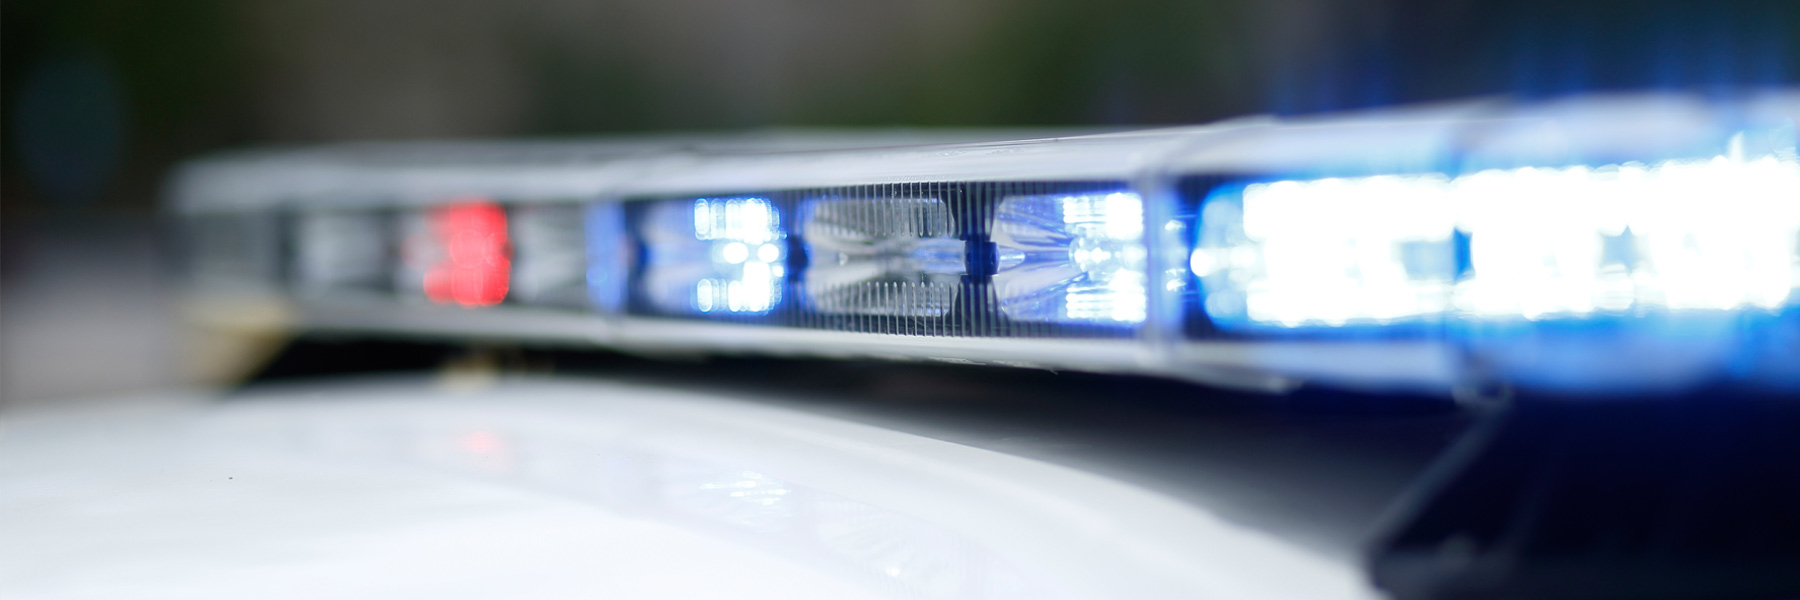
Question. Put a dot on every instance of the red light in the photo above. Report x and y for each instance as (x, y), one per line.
(477, 259)
(480, 442)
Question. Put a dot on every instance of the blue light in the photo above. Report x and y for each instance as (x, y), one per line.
(1713, 234)
(725, 255)
(608, 256)
(886, 256)
(1075, 258)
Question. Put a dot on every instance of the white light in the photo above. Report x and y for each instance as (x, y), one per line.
(1204, 262)
(1331, 249)
(1071, 258)
(703, 295)
(1709, 234)
(734, 252)
(755, 292)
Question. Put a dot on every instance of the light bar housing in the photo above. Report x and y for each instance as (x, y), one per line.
(1625, 244)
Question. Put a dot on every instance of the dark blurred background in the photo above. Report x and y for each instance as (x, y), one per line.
(101, 97)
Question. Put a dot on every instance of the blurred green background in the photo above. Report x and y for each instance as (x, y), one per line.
(101, 96)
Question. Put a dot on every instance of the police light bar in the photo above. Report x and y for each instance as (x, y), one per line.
(1611, 244)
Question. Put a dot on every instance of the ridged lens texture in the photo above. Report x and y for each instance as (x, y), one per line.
(1073, 259)
(715, 255)
(887, 256)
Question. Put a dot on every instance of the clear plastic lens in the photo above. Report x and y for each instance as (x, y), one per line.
(549, 260)
(1077, 258)
(1711, 234)
(715, 255)
(341, 253)
(891, 256)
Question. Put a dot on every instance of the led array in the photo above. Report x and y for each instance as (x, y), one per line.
(1075, 258)
(1071, 258)
(715, 255)
(1713, 234)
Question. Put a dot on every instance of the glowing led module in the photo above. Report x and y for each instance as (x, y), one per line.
(458, 253)
(1713, 234)
(715, 255)
(1071, 258)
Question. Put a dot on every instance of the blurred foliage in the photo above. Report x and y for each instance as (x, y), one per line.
(178, 64)
(1069, 61)
(199, 75)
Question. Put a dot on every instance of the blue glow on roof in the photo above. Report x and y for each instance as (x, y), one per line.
(1713, 234)
(1071, 258)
